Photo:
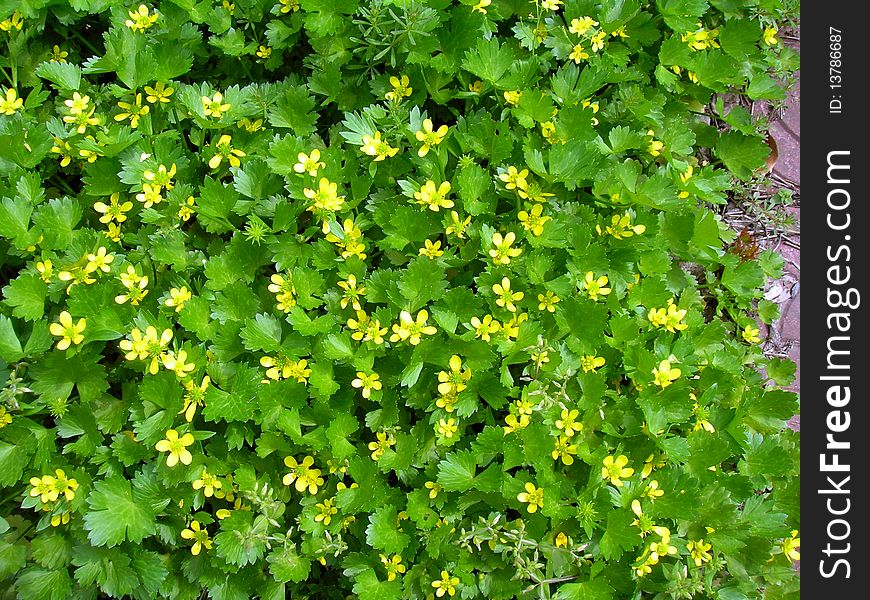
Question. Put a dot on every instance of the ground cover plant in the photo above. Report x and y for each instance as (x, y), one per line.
(390, 299)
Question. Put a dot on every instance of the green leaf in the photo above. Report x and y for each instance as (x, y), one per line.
(43, 584)
(117, 514)
(382, 532)
(237, 543)
(262, 333)
(595, 589)
(739, 37)
(489, 60)
(765, 458)
(619, 536)
(781, 370)
(368, 587)
(456, 472)
(293, 110)
(10, 347)
(286, 565)
(742, 154)
(240, 403)
(26, 295)
(66, 76)
(421, 283)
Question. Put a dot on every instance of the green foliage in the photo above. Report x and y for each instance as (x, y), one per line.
(388, 300)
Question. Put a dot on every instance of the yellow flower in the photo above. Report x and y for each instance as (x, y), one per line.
(375, 146)
(652, 491)
(5, 417)
(534, 193)
(113, 232)
(177, 363)
(429, 136)
(178, 297)
(325, 511)
(503, 253)
(701, 38)
(563, 450)
(99, 261)
(264, 52)
(595, 287)
(16, 22)
(289, 6)
(700, 551)
(446, 428)
(367, 382)
(326, 197)
(750, 334)
(456, 380)
(514, 179)
(10, 102)
(504, 296)
(533, 496)
(655, 146)
(447, 401)
(770, 35)
(484, 328)
(512, 97)
(548, 301)
(567, 423)
(63, 148)
(83, 120)
(511, 328)
(61, 519)
(383, 443)
(140, 19)
(176, 447)
(225, 151)
(393, 565)
(582, 25)
(615, 469)
(214, 106)
(457, 226)
(136, 288)
(44, 488)
(194, 397)
(78, 104)
(410, 329)
(401, 88)
(63, 486)
(670, 318)
(150, 195)
(551, 4)
(445, 585)
(433, 488)
(791, 545)
(309, 163)
(68, 332)
(148, 346)
(133, 111)
(597, 41)
(434, 198)
(199, 536)
(208, 483)
(302, 474)
(513, 423)
(702, 417)
(159, 93)
(665, 374)
(352, 292)
(481, 6)
(162, 178)
(45, 269)
(620, 227)
(650, 464)
(113, 211)
(532, 220)
(590, 362)
(431, 249)
(578, 54)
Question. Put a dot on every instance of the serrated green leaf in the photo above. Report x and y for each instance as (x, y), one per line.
(116, 514)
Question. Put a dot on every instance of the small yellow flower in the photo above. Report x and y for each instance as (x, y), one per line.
(434, 198)
(99, 261)
(375, 146)
(433, 488)
(431, 249)
(309, 163)
(664, 374)
(194, 397)
(288, 6)
(597, 41)
(64, 486)
(159, 93)
(791, 545)
(456, 380)
(446, 428)
(326, 197)
(702, 417)
(199, 536)
(16, 22)
(532, 220)
(484, 328)
(325, 510)
(655, 146)
(567, 423)
(504, 296)
(150, 195)
(178, 297)
(595, 287)
(615, 469)
(214, 106)
(187, 209)
(264, 52)
(303, 475)
(700, 551)
(401, 88)
(620, 227)
(590, 362)
(10, 102)
(445, 585)
(384, 442)
(481, 6)
(582, 25)
(750, 334)
(512, 97)
(5, 417)
(578, 54)
(176, 447)
(224, 151)
(429, 136)
(162, 177)
(150, 346)
(43, 487)
(551, 4)
(514, 179)
(68, 332)
(352, 292)
(533, 496)
(132, 111)
(770, 35)
(136, 289)
(177, 363)
(45, 269)
(410, 329)
(393, 565)
(457, 226)
(503, 252)
(564, 450)
(514, 423)
(208, 483)
(652, 491)
(113, 211)
(548, 301)
(368, 382)
(141, 19)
